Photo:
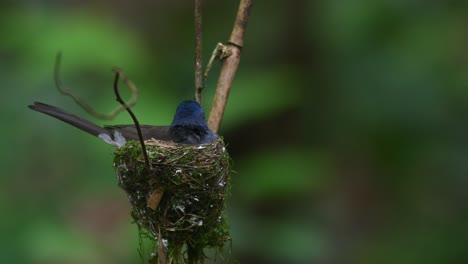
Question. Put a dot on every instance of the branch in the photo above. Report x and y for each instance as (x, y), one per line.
(230, 65)
(68, 92)
(118, 73)
(198, 51)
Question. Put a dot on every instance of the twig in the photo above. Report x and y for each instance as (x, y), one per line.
(161, 250)
(118, 73)
(230, 65)
(220, 52)
(68, 92)
(198, 51)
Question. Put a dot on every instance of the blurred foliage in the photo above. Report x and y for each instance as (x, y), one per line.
(347, 125)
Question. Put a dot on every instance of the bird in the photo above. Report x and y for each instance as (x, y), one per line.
(188, 126)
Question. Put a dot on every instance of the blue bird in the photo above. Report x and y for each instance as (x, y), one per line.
(188, 127)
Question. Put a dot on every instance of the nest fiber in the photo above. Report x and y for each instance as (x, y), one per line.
(179, 201)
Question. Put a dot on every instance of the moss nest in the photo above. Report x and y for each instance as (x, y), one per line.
(179, 203)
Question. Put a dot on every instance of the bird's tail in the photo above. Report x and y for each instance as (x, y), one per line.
(71, 119)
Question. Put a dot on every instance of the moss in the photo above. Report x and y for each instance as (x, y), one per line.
(180, 201)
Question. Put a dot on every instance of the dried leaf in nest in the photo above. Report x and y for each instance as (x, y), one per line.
(180, 201)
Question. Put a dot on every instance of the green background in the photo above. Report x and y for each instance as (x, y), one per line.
(347, 123)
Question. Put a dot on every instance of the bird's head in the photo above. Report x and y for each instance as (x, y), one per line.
(189, 113)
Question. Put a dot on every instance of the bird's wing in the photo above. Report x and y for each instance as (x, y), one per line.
(148, 132)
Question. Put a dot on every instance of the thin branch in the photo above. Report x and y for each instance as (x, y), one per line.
(118, 73)
(230, 65)
(198, 51)
(220, 52)
(161, 250)
(68, 92)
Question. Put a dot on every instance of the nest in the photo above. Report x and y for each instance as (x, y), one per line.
(179, 202)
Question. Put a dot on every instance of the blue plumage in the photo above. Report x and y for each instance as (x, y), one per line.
(189, 125)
